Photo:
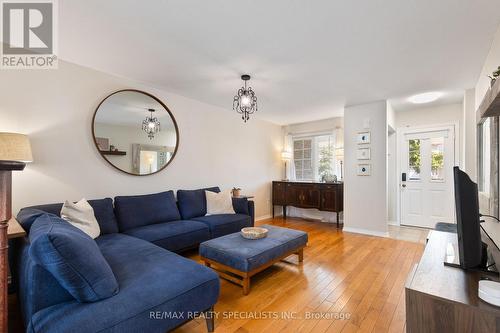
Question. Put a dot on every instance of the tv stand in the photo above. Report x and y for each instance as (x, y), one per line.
(440, 298)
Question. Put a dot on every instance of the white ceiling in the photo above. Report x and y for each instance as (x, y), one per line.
(307, 58)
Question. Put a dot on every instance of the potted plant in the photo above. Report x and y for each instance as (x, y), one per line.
(494, 76)
(236, 191)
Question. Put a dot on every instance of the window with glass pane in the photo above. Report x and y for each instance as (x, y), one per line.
(314, 158)
(326, 153)
(302, 155)
(414, 159)
(437, 158)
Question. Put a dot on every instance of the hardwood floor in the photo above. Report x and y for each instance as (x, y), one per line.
(360, 278)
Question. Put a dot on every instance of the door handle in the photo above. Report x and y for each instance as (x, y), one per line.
(403, 185)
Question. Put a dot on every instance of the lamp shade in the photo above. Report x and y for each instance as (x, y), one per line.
(286, 155)
(15, 147)
(339, 152)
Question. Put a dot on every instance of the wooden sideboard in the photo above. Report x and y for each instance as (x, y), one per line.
(440, 298)
(323, 196)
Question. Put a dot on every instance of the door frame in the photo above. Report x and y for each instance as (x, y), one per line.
(400, 132)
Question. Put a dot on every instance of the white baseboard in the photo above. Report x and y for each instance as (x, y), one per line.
(396, 223)
(263, 217)
(365, 232)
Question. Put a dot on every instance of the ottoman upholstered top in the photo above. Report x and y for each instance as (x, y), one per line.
(245, 254)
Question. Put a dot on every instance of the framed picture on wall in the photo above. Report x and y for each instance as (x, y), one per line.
(363, 138)
(364, 169)
(363, 153)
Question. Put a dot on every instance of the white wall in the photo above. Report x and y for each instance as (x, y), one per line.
(392, 179)
(469, 130)
(365, 197)
(392, 183)
(491, 63)
(55, 108)
(391, 117)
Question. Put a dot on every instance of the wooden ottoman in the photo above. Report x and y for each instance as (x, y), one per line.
(237, 259)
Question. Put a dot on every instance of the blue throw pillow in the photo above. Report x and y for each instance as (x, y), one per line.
(73, 258)
(27, 216)
(193, 203)
(140, 210)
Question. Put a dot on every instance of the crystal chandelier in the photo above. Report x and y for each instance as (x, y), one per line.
(151, 125)
(245, 101)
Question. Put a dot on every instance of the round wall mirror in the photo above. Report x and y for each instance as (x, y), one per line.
(135, 132)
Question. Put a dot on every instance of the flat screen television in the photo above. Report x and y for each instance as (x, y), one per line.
(472, 251)
(470, 246)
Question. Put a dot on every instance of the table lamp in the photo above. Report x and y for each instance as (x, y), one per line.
(15, 152)
(286, 156)
(339, 153)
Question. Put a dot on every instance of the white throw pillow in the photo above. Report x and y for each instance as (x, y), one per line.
(219, 203)
(81, 215)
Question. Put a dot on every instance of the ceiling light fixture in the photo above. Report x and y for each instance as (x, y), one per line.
(151, 125)
(245, 101)
(425, 97)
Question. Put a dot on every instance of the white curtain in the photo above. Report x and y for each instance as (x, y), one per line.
(338, 134)
(290, 169)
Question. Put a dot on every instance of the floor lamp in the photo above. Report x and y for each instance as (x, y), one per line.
(15, 152)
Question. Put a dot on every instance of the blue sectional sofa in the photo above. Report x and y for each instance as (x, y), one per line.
(147, 286)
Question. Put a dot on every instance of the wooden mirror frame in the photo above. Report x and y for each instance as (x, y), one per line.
(162, 104)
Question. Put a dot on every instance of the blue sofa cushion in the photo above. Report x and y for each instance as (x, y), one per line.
(30, 278)
(139, 210)
(103, 211)
(193, 203)
(240, 206)
(151, 280)
(245, 255)
(173, 236)
(72, 257)
(223, 224)
(27, 216)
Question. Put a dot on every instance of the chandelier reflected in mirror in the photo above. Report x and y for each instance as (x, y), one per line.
(245, 101)
(151, 125)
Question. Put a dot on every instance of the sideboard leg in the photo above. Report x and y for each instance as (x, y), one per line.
(338, 220)
(284, 212)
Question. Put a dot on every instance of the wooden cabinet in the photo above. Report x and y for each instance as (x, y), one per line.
(301, 195)
(279, 194)
(325, 197)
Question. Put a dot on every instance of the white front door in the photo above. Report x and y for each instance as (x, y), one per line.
(427, 157)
